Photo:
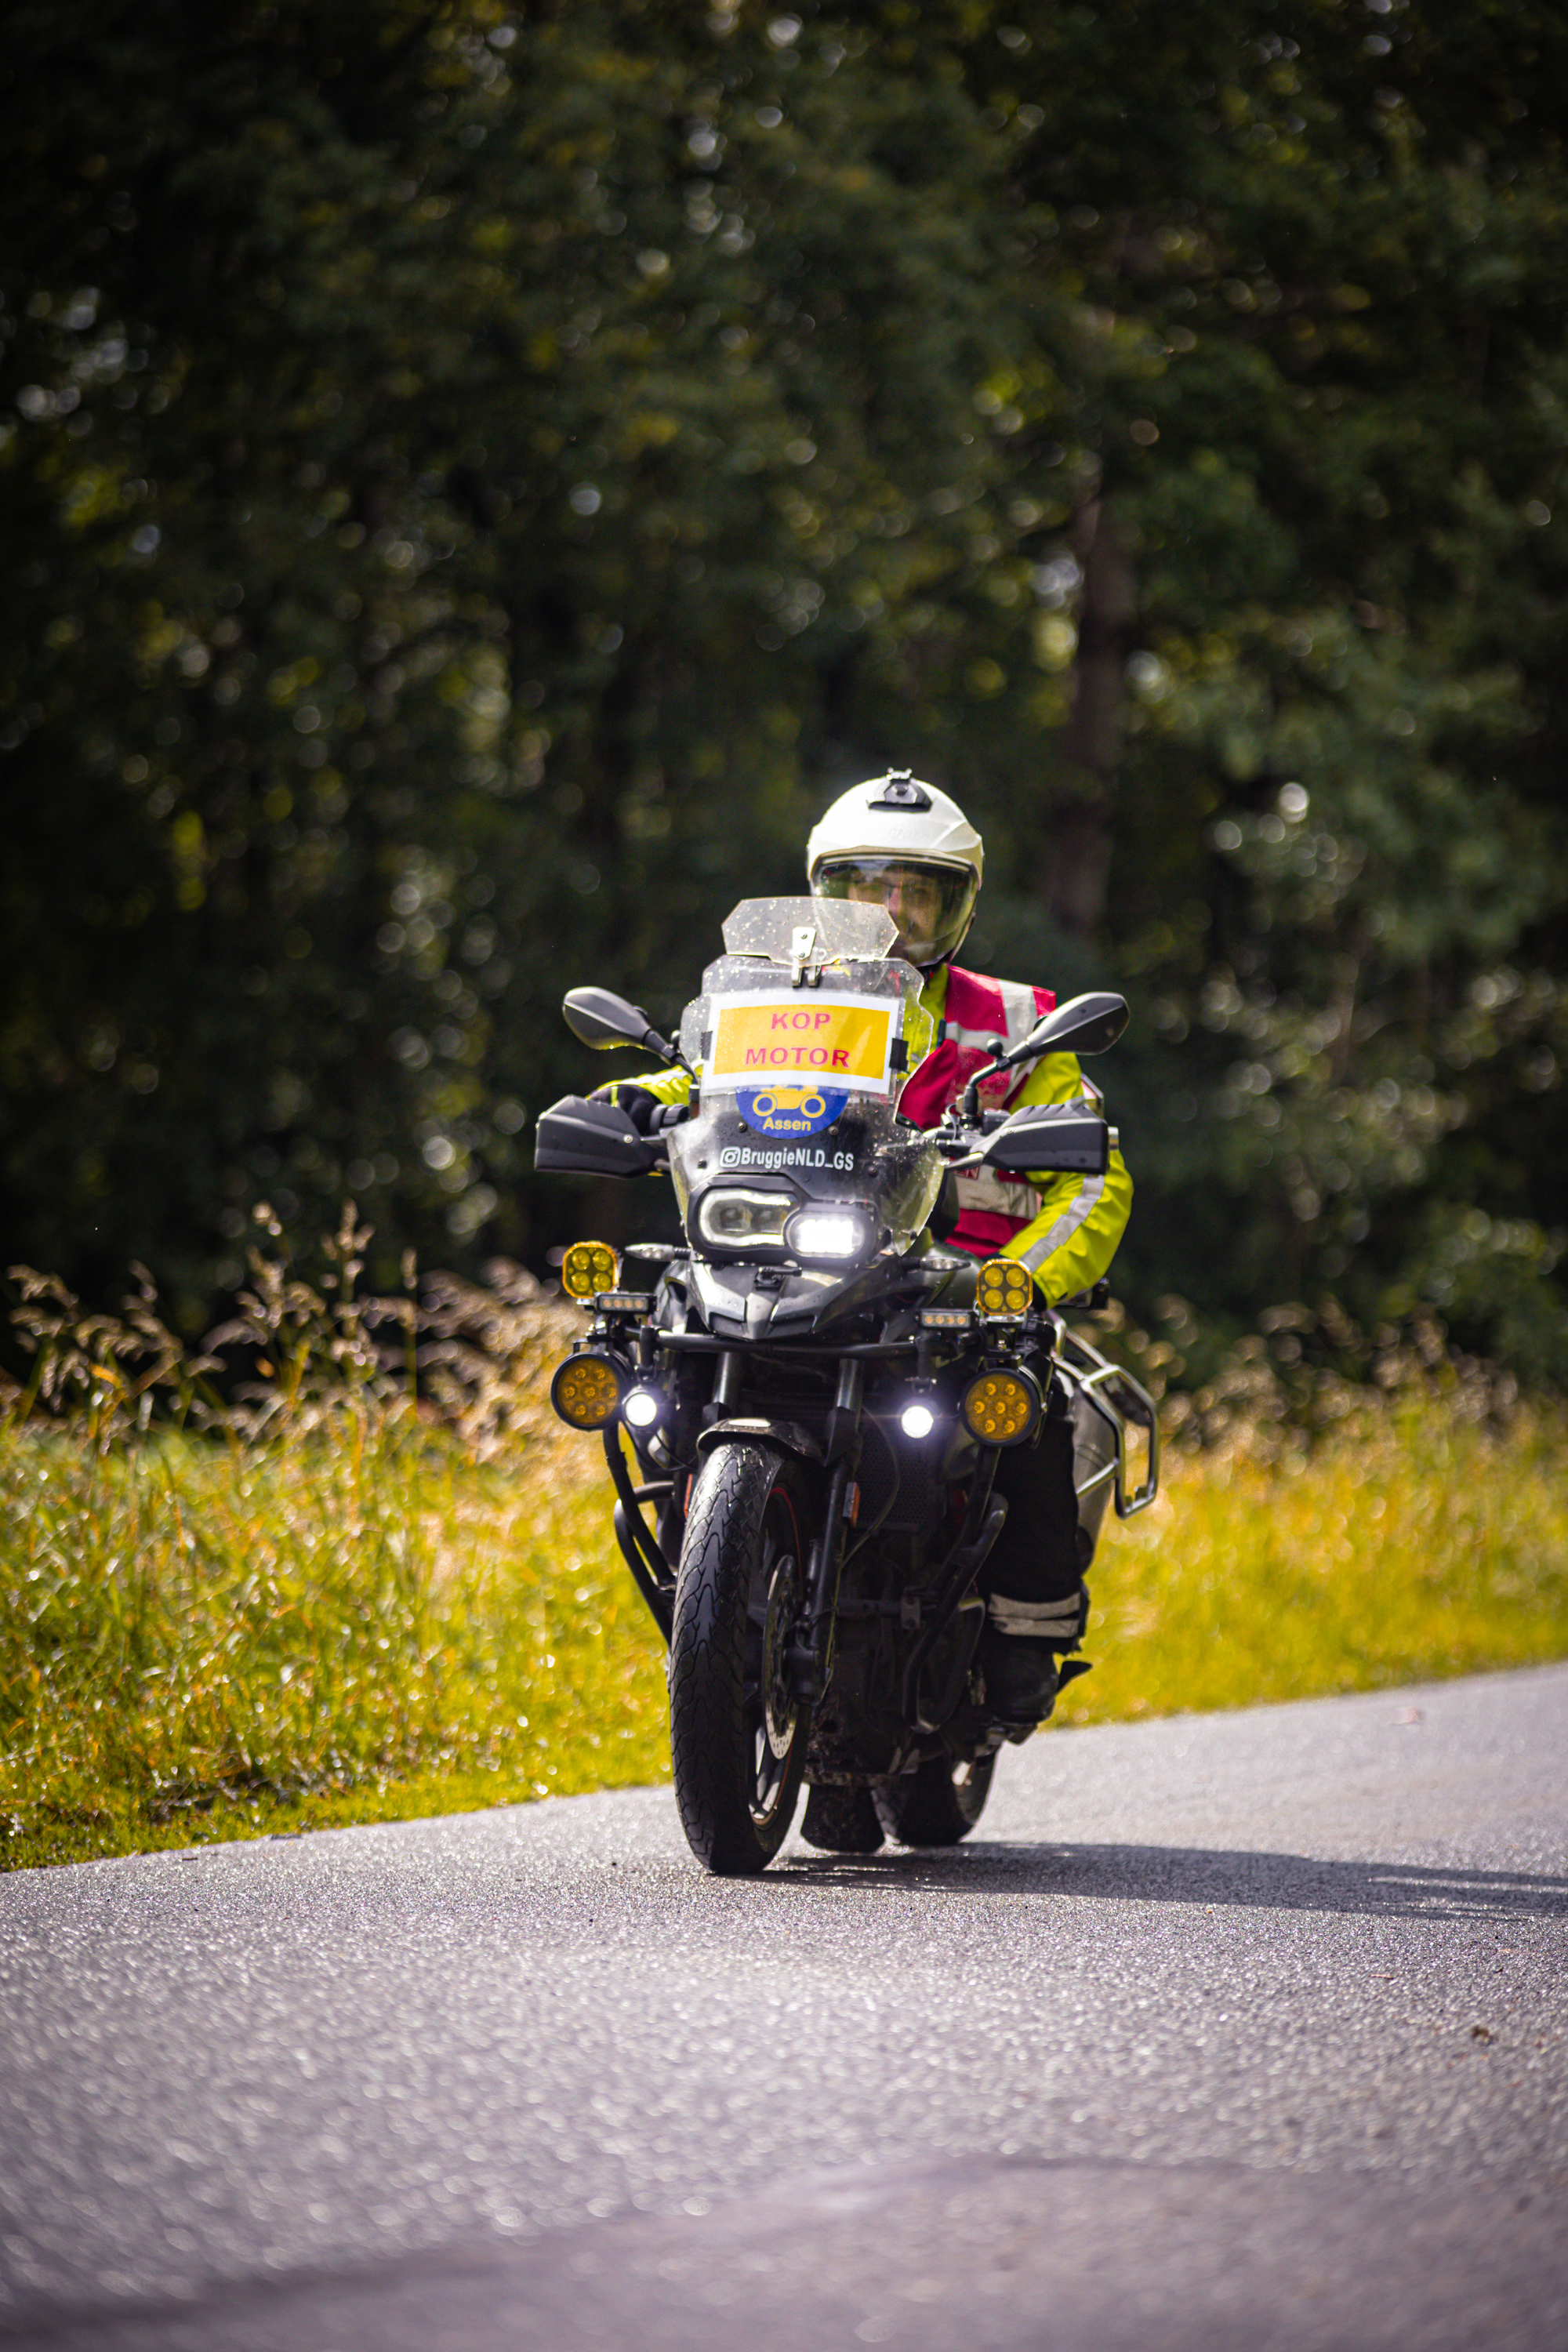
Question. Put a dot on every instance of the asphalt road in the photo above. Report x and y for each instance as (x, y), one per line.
(1239, 2030)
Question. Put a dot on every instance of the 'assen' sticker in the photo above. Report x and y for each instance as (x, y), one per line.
(842, 1040)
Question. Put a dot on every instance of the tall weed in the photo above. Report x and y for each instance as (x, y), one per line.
(346, 1546)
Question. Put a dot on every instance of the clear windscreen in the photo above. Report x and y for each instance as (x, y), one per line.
(785, 930)
(803, 1045)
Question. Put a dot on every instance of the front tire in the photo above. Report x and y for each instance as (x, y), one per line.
(737, 1732)
(937, 1804)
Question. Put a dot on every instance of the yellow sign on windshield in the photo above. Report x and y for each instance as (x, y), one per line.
(842, 1041)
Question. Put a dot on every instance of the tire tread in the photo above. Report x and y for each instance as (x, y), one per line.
(927, 1808)
(708, 1666)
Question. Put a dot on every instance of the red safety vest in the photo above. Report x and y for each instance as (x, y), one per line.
(979, 1010)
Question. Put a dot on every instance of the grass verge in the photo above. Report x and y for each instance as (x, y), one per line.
(1409, 1546)
(202, 1639)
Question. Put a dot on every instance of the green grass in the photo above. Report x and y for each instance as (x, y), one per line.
(201, 1640)
(366, 1620)
(1410, 1545)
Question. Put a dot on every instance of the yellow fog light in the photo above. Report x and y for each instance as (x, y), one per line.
(587, 1268)
(1001, 1408)
(585, 1391)
(1003, 1289)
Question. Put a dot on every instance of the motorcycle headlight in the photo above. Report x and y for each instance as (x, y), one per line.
(829, 1234)
(1001, 1408)
(731, 1217)
(586, 1391)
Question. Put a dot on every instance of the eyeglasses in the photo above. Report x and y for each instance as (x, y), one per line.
(913, 899)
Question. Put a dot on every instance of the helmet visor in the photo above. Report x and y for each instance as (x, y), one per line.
(931, 903)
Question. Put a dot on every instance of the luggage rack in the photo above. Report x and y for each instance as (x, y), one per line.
(1110, 1391)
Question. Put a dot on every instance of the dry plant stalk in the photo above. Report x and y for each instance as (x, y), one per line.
(474, 1359)
(296, 1356)
(1307, 1374)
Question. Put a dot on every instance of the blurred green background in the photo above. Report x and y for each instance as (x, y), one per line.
(475, 481)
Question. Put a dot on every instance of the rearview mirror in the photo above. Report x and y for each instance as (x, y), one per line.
(1084, 1025)
(599, 1018)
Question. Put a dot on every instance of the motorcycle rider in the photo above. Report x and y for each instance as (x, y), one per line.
(897, 843)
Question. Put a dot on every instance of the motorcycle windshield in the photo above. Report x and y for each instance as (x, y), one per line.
(782, 929)
(804, 1037)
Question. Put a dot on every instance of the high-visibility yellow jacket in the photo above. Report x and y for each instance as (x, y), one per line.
(1065, 1229)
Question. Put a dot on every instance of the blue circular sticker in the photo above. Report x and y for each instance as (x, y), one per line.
(790, 1110)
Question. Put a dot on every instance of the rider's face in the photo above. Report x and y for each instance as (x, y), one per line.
(913, 899)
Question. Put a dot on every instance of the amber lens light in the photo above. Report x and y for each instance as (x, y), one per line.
(1003, 1289)
(587, 1268)
(585, 1391)
(1001, 1408)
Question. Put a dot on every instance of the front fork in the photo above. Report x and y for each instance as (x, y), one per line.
(811, 1659)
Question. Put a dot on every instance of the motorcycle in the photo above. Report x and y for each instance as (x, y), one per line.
(815, 1392)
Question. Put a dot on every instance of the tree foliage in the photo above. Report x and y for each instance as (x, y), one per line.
(477, 479)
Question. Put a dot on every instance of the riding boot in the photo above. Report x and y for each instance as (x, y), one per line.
(1019, 1650)
(841, 1821)
(1036, 1603)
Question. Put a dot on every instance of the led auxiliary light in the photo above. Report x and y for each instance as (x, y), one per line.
(586, 1391)
(917, 1421)
(834, 1234)
(587, 1268)
(1003, 1289)
(641, 1408)
(1001, 1408)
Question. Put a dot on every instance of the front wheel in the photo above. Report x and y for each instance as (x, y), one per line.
(937, 1804)
(737, 1732)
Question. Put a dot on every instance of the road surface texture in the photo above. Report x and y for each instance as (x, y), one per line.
(1241, 2031)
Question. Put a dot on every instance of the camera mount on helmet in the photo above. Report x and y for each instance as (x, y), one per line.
(900, 791)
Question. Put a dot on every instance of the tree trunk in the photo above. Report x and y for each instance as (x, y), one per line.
(1077, 851)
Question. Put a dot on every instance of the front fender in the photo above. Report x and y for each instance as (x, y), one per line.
(788, 1434)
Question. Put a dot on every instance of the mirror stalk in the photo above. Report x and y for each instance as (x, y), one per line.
(1085, 1025)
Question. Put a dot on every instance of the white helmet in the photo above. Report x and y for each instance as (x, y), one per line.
(904, 845)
